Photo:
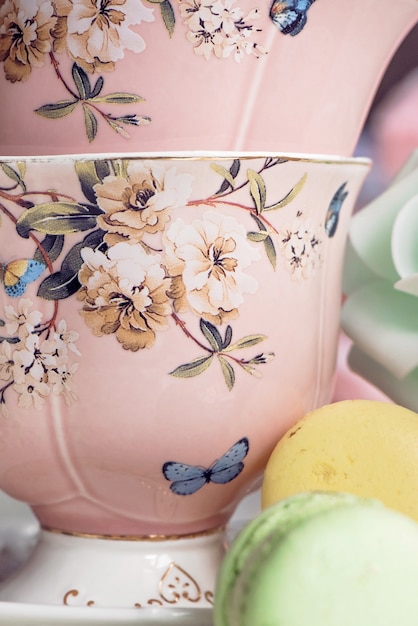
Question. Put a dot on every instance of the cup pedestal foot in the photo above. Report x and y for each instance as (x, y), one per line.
(119, 572)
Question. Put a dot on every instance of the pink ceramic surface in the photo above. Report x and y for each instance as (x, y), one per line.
(82, 76)
(163, 322)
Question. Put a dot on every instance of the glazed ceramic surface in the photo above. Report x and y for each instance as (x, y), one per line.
(147, 75)
(163, 322)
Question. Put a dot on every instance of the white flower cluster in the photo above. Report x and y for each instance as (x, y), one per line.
(301, 249)
(220, 29)
(34, 366)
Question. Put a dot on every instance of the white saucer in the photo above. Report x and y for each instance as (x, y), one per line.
(18, 614)
(19, 533)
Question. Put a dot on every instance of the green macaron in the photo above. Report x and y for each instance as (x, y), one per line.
(321, 559)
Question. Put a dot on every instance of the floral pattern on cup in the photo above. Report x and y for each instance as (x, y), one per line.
(96, 34)
(139, 269)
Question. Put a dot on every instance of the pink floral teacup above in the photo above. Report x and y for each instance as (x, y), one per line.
(82, 76)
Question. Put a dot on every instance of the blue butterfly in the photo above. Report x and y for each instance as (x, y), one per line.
(333, 212)
(17, 275)
(188, 479)
(290, 15)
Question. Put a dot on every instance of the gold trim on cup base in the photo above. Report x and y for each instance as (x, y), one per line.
(69, 533)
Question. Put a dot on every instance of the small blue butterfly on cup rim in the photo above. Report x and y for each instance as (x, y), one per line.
(290, 16)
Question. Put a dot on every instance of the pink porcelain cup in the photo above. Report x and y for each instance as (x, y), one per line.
(163, 321)
(81, 76)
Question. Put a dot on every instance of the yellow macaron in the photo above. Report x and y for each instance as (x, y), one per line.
(364, 447)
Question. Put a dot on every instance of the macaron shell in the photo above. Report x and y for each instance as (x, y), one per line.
(367, 448)
(349, 566)
(273, 523)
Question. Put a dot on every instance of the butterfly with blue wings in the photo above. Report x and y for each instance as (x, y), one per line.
(290, 15)
(333, 212)
(187, 479)
(17, 275)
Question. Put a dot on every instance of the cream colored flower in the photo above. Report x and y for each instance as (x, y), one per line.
(96, 33)
(206, 260)
(31, 392)
(35, 358)
(142, 202)
(220, 29)
(61, 381)
(124, 292)
(21, 321)
(65, 339)
(6, 361)
(25, 36)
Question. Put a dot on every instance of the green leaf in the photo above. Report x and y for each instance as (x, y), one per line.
(57, 218)
(227, 371)
(226, 174)
(82, 81)
(21, 166)
(53, 245)
(65, 283)
(13, 175)
(257, 236)
(246, 342)
(270, 251)
(228, 337)
(232, 174)
(10, 339)
(118, 98)
(57, 109)
(194, 368)
(168, 16)
(289, 196)
(118, 128)
(91, 173)
(98, 86)
(259, 222)
(59, 286)
(90, 122)
(212, 334)
(257, 190)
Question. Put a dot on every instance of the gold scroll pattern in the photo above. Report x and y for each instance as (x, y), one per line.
(174, 586)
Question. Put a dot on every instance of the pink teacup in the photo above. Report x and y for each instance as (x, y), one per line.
(164, 320)
(82, 76)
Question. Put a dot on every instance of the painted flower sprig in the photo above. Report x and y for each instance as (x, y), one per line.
(90, 98)
(138, 268)
(96, 34)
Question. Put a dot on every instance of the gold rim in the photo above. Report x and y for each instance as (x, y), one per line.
(69, 533)
(196, 156)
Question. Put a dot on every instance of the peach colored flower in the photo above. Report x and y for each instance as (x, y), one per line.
(142, 202)
(124, 292)
(206, 260)
(96, 33)
(25, 36)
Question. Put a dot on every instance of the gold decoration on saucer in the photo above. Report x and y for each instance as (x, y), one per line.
(74, 593)
(209, 597)
(70, 533)
(176, 584)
